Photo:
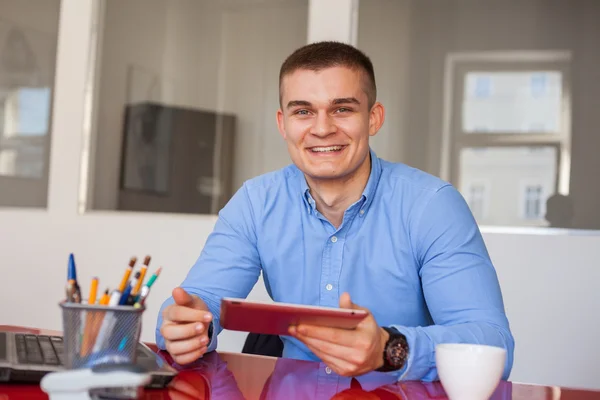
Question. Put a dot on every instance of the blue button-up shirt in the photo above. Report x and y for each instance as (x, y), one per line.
(409, 250)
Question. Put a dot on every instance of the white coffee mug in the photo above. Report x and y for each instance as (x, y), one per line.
(469, 371)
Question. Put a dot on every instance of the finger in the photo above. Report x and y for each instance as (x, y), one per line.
(189, 357)
(344, 337)
(346, 302)
(173, 331)
(177, 313)
(339, 366)
(179, 347)
(183, 298)
(330, 349)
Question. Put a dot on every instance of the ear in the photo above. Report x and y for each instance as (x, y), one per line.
(280, 123)
(376, 118)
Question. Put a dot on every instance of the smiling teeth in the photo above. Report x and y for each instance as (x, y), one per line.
(325, 149)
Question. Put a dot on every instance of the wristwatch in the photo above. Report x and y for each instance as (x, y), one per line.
(395, 353)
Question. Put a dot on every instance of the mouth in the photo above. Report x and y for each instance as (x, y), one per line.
(327, 149)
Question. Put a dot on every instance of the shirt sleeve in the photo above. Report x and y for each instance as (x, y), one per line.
(228, 266)
(459, 283)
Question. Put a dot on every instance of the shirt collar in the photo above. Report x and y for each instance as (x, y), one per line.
(368, 193)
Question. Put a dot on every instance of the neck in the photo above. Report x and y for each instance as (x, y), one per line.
(334, 196)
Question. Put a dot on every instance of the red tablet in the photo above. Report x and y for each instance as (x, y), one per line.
(276, 318)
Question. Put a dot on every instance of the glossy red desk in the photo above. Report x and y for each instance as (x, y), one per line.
(241, 376)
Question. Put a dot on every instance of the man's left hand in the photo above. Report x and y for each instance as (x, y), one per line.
(346, 352)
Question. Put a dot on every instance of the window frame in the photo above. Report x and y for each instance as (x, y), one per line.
(455, 139)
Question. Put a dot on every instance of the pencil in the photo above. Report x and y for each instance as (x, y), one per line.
(140, 281)
(127, 274)
(93, 291)
(105, 298)
(141, 299)
(116, 294)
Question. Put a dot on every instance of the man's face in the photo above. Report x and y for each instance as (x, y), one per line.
(326, 121)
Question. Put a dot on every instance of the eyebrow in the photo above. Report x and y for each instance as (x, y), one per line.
(338, 101)
(345, 100)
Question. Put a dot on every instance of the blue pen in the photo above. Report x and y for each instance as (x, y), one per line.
(73, 290)
(125, 295)
(72, 272)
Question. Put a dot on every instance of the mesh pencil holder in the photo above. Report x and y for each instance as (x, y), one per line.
(94, 335)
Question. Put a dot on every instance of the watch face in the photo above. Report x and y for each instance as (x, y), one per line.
(397, 352)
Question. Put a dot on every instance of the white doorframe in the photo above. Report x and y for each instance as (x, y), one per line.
(333, 20)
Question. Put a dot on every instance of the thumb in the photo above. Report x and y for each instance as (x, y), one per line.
(346, 302)
(183, 298)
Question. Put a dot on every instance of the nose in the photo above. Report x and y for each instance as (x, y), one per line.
(323, 125)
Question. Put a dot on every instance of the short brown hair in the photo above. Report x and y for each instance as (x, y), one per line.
(322, 55)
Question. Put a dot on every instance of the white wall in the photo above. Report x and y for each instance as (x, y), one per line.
(378, 23)
(549, 281)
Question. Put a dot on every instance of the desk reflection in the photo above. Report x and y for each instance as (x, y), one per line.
(231, 376)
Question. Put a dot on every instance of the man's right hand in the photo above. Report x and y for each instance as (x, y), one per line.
(185, 327)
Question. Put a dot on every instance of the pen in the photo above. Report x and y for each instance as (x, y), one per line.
(73, 291)
(138, 285)
(116, 294)
(125, 296)
(72, 271)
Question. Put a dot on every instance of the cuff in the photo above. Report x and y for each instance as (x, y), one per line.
(420, 357)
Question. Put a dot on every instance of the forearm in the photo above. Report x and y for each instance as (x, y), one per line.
(423, 340)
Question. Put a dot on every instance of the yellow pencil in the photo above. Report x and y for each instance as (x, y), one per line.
(105, 298)
(127, 274)
(140, 280)
(93, 291)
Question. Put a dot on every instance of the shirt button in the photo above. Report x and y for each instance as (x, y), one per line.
(334, 239)
(327, 370)
(362, 212)
(329, 286)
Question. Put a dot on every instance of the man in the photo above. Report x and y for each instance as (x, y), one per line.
(341, 226)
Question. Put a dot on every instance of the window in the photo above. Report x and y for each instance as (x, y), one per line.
(477, 193)
(533, 202)
(25, 123)
(181, 109)
(510, 122)
(28, 39)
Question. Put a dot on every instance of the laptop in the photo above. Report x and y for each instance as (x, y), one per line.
(26, 358)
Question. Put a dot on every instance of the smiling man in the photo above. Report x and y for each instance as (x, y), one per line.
(341, 226)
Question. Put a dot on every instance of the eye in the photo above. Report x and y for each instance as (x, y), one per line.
(343, 110)
(301, 112)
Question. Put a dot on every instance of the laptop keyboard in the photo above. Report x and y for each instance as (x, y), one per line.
(39, 349)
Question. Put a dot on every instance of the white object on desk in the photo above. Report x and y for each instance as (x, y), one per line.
(469, 371)
(77, 384)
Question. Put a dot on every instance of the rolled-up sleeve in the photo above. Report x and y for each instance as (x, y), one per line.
(229, 264)
(460, 286)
